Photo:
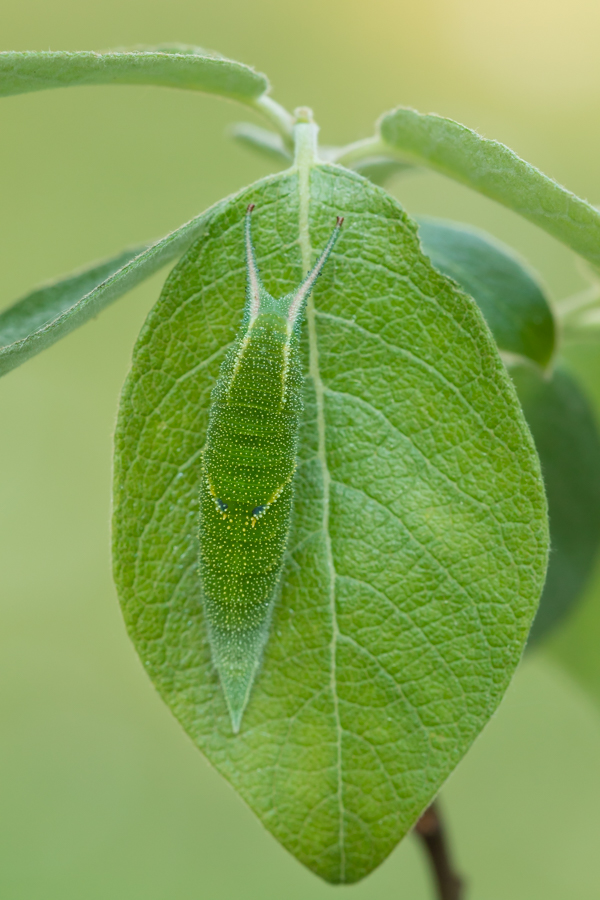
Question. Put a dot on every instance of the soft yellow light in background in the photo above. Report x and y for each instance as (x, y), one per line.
(542, 50)
(101, 795)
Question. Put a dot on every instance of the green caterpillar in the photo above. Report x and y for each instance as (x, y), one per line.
(247, 477)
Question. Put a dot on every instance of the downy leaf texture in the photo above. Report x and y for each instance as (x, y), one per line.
(418, 541)
(32, 70)
(497, 172)
(53, 310)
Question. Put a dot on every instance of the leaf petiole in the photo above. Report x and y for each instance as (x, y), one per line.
(277, 115)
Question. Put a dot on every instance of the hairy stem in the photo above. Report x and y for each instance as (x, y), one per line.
(431, 831)
(277, 116)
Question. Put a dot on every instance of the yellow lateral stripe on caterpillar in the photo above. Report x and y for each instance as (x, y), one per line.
(249, 463)
(259, 511)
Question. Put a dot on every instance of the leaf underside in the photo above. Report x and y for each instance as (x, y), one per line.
(52, 311)
(497, 172)
(267, 144)
(23, 72)
(419, 537)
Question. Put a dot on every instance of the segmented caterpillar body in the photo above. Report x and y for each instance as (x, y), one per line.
(247, 477)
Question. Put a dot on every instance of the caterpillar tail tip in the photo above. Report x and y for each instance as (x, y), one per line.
(237, 691)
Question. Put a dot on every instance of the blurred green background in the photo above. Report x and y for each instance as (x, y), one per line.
(101, 794)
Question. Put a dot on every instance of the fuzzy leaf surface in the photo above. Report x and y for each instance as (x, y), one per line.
(564, 429)
(512, 301)
(53, 310)
(23, 72)
(419, 536)
(496, 171)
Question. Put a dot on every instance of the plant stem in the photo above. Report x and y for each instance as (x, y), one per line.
(345, 156)
(277, 116)
(430, 829)
(364, 150)
(305, 147)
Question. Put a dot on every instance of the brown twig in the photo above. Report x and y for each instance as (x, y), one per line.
(430, 829)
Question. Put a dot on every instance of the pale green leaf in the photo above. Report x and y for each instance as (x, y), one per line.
(271, 146)
(381, 169)
(512, 301)
(579, 314)
(566, 437)
(22, 72)
(419, 536)
(267, 144)
(53, 310)
(494, 170)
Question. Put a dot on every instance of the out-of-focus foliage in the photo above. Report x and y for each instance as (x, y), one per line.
(566, 437)
(511, 299)
(101, 795)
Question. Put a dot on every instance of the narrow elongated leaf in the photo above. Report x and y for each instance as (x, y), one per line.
(267, 144)
(566, 437)
(381, 169)
(271, 146)
(22, 72)
(492, 169)
(418, 542)
(512, 301)
(45, 303)
(53, 310)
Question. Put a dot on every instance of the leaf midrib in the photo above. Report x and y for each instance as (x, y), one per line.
(304, 167)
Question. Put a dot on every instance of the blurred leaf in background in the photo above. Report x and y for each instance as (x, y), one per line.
(566, 436)
(102, 795)
(577, 645)
(511, 299)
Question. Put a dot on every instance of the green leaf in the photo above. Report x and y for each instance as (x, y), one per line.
(271, 146)
(575, 644)
(53, 310)
(579, 314)
(381, 169)
(418, 543)
(39, 70)
(566, 437)
(513, 303)
(492, 169)
(266, 143)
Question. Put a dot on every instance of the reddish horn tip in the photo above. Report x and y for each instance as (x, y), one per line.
(339, 221)
(251, 206)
